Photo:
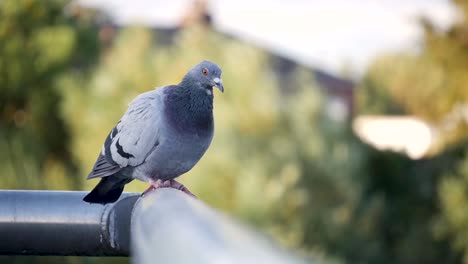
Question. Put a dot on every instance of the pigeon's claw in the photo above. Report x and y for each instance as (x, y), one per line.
(179, 186)
(167, 184)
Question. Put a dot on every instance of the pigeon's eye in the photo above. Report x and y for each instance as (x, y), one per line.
(205, 71)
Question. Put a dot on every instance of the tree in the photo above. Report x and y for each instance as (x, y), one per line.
(421, 203)
(431, 86)
(37, 45)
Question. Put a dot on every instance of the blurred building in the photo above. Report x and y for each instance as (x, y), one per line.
(338, 91)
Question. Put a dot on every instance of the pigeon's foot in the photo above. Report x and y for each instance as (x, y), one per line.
(168, 184)
(179, 186)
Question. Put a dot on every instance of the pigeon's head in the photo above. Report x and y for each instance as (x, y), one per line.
(207, 74)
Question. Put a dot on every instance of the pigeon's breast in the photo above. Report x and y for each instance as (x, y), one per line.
(189, 111)
(185, 133)
(176, 154)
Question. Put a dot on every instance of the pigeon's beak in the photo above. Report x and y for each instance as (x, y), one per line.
(219, 83)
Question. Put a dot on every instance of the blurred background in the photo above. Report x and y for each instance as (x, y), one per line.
(343, 131)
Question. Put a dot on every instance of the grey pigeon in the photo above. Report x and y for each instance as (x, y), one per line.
(163, 134)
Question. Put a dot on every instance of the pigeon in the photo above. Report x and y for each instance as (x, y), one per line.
(162, 135)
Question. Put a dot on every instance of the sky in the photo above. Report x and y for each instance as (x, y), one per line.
(328, 34)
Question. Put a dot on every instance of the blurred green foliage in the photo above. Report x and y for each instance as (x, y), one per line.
(37, 44)
(422, 203)
(277, 160)
(431, 85)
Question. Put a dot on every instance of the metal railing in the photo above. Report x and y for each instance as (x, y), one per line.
(165, 226)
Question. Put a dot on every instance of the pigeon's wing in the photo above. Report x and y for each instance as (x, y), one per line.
(133, 138)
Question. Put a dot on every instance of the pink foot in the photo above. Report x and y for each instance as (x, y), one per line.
(167, 184)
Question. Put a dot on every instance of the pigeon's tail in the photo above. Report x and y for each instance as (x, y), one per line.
(108, 190)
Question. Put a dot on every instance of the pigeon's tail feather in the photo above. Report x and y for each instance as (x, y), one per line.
(108, 190)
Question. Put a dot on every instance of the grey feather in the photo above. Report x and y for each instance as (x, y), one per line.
(138, 130)
(103, 168)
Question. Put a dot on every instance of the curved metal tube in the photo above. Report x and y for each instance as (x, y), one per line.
(171, 227)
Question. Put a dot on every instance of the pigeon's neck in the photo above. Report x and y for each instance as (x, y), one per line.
(190, 109)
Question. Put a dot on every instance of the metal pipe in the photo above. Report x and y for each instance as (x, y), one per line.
(169, 226)
(60, 223)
